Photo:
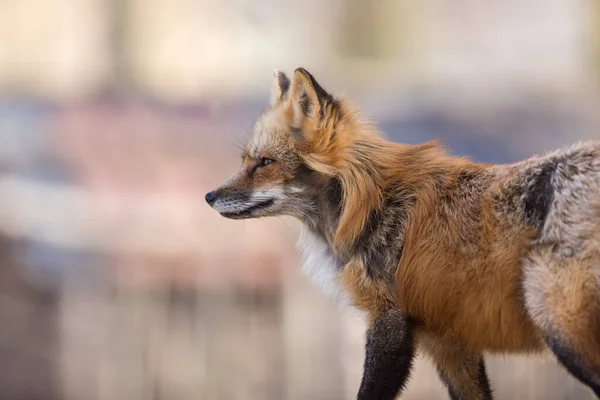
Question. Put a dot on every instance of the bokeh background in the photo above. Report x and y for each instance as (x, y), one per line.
(118, 282)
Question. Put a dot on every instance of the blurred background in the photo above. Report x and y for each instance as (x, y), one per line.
(117, 281)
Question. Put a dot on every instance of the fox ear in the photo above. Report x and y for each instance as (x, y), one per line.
(307, 97)
(281, 87)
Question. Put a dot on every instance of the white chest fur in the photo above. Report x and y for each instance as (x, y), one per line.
(319, 263)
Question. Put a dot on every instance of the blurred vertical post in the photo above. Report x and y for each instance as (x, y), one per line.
(28, 333)
(313, 349)
(594, 44)
(359, 29)
(121, 83)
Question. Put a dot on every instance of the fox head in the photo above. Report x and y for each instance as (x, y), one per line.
(302, 160)
(274, 178)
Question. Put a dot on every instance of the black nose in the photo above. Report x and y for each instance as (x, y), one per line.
(210, 197)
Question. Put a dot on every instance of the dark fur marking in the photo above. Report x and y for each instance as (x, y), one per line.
(321, 93)
(335, 195)
(284, 84)
(381, 241)
(337, 111)
(538, 195)
(327, 196)
(375, 257)
(332, 200)
(389, 356)
(336, 105)
(322, 96)
(466, 177)
(572, 363)
(305, 104)
(482, 382)
(572, 170)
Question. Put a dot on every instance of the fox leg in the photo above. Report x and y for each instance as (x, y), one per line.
(389, 356)
(462, 371)
(563, 298)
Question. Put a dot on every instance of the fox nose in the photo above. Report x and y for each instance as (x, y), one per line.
(210, 197)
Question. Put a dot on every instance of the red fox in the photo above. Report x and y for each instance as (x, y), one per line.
(450, 256)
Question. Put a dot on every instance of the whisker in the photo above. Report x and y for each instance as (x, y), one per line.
(236, 142)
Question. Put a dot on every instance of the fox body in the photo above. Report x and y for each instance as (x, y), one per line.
(453, 257)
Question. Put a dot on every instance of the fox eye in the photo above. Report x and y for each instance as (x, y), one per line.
(264, 162)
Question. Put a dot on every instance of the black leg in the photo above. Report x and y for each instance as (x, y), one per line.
(468, 382)
(389, 355)
(460, 369)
